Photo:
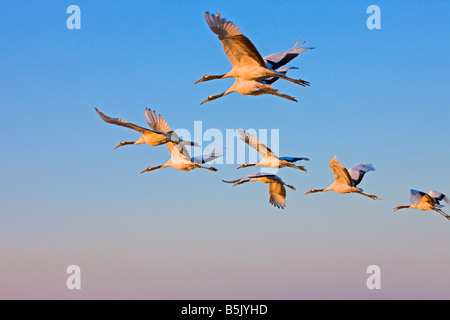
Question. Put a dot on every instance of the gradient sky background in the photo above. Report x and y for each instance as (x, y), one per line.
(67, 197)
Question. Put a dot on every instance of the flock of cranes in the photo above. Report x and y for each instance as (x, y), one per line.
(254, 75)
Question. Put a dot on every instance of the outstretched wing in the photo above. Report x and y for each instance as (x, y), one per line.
(279, 59)
(417, 196)
(123, 123)
(277, 193)
(204, 158)
(293, 159)
(253, 175)
(253, 142)
(341, 174)
(437, 196)
(238, 48)
(157, 122)
(357, 173)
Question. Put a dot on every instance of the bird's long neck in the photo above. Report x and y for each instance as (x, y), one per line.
(152, 168)
(215, 76)
(124, 143)
(401, 207)
(317, 190)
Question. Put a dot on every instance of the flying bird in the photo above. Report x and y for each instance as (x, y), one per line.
(269, 158)
(431, 201)
(179, 155)
(277, 190)
(246, 60)
(343, 181)
(151, 137)
(252, 87)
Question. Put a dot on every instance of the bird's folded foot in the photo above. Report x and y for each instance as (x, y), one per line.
(303, 82)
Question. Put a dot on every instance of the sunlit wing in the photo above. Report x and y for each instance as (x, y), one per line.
(253, 142)
(341, 174)
(238, 48)
(156, 122)
(125, 124)
(417, 196)
(277, 193)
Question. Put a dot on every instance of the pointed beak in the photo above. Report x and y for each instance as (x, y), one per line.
(120, 144)
(148, 169)
(201, 80)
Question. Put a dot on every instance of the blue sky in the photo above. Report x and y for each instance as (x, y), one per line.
(68, 197)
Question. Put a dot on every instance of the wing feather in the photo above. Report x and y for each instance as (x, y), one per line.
(253, 142)
(341, 174)
(238, 48)
(357, 173)
(157, 122)
(123, 123)
(277, 193)
(279, 59)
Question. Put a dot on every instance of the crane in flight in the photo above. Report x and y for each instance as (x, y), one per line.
(343, 181)
(269, 158)
(151, 137)
(179, 155)
(248, 67)
(431, 201)
(244, 57)
(277, 190)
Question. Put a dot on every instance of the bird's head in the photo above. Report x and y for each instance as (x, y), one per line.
(400, 207)
(312, 191)
(148, 169)
(121, 144)
(205, 78)
(209, 99)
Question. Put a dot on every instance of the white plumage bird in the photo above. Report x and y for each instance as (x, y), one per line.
(249, 68)
(269, 158)
(277, 190)
(151, 137)
(422, 201)
(343, 182)
(179, 155)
